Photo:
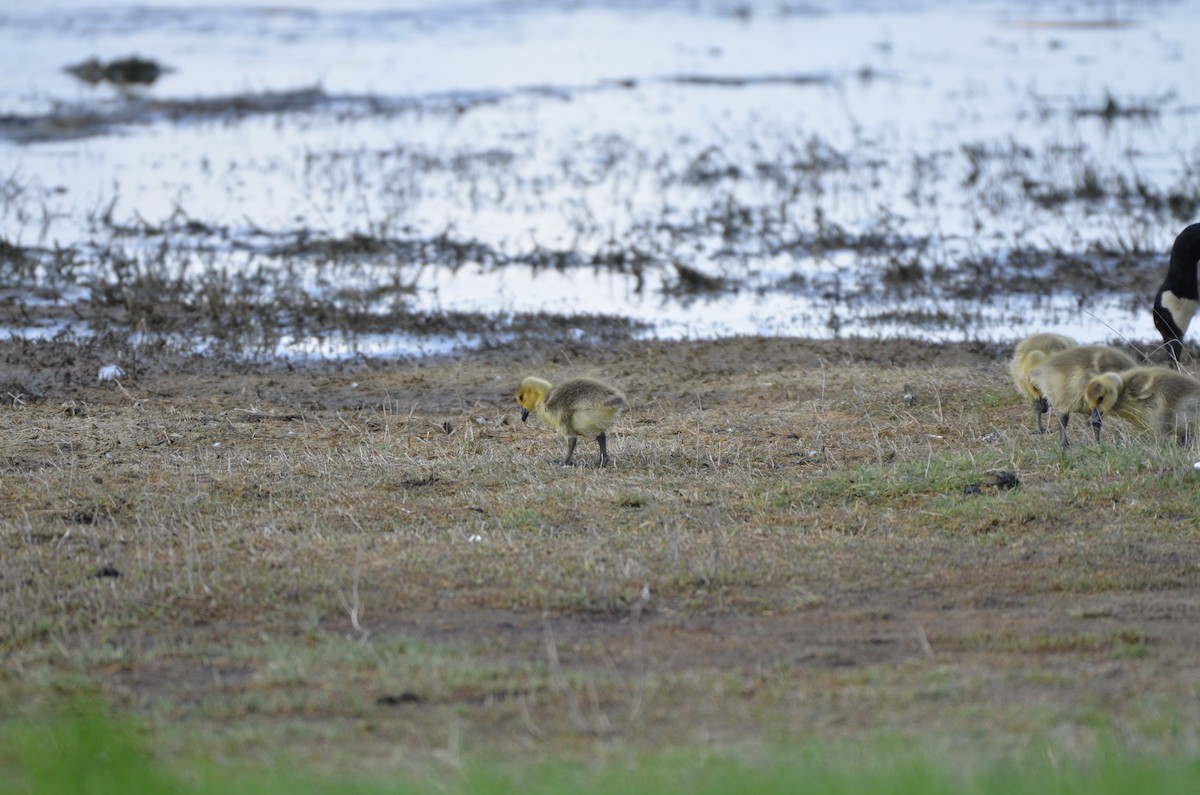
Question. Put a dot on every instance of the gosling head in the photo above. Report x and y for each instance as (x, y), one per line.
(530, 394)
(1101, 395)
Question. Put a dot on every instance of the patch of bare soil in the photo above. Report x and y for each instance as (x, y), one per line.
(38, 370)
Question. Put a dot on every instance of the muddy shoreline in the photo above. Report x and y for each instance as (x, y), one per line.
(47, 371)
(726, 181)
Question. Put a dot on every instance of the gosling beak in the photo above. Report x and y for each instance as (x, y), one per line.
(524, 414)
(1097, 422)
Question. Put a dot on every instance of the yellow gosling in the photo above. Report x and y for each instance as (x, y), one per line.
(574, 408)
(1155, 399)
(1029, 353)
(1063, 377)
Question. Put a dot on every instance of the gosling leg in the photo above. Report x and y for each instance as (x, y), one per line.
(571, 441)
(603, 440)
(1062, 430)
(1040, 406)
(1097, 423)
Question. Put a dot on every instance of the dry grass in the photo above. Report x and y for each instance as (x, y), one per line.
(386, 563)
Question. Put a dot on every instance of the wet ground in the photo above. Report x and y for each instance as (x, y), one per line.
(334, 180)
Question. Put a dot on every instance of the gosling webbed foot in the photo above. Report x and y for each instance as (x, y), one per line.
(603, 441)
(1062, 431)
(1040, 407)
(571, 442)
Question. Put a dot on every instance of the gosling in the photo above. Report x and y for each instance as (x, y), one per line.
(574, 408)
(1177, 298)
(1031, 352)
(1155, 399)
(1063, 377)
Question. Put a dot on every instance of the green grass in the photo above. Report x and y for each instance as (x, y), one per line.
(84, 749)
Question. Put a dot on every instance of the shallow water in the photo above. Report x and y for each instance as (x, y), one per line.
(937, 170)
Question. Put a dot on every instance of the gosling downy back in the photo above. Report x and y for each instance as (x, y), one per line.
(584, 407)
(1063, 377)
(1177, 299)
(1029, 353)
(1155, 399)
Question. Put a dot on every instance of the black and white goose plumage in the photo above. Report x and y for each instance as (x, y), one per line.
(1177, 299)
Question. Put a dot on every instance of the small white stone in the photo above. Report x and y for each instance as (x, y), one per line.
(474, 538)
(111, 372)
(216, 444)
(1196, 465)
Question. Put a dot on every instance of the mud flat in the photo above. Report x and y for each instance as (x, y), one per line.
(474, 171)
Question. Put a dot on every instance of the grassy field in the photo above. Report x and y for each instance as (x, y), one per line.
(87, 753)
(373, 568)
